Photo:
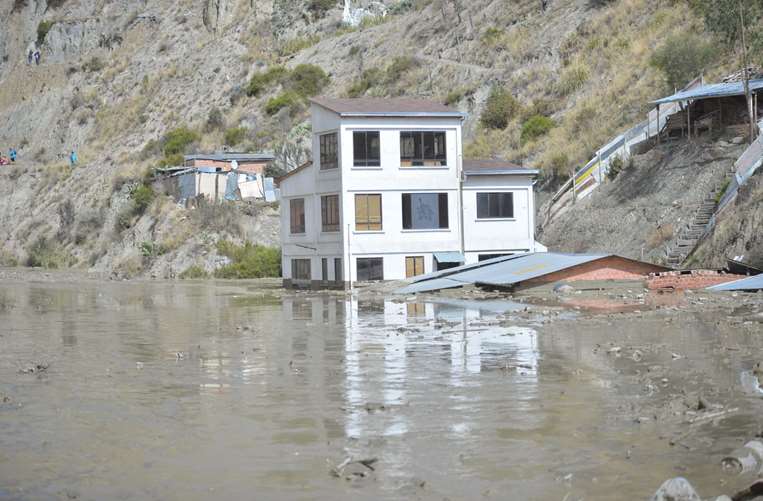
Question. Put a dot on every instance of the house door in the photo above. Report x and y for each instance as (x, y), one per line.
(414, 266)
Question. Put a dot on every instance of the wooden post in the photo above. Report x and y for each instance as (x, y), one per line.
(659, 130)
(688, 119)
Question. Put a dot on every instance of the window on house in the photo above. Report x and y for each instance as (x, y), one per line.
(370, 268)
(366, 150)
(297, 215)
(414, 266)
(300, 269)
(337, 269)
(324, 269)
(485, 257)
(329, 152)
(422, 149)
(330, 213)
(495, 205)
(368, 213)
(425, 211)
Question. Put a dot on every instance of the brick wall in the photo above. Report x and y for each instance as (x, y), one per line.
(696, 279)
(243, 167)
(609, 268)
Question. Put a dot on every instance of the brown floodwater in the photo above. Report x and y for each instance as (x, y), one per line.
(164, 390)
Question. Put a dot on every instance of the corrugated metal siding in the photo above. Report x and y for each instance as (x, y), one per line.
(751, 283)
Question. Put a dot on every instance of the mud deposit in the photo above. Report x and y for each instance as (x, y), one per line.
(239, 391)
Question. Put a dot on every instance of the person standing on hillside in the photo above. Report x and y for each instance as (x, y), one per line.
(73, 158)
(37, 57)
(12, 154)
(29, 57)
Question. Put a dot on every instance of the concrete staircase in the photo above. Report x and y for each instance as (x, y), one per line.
(690, 235)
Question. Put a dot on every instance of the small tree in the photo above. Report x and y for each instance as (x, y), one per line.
(499, 108)
(682, 57)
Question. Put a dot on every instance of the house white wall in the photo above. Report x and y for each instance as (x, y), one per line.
(391, 181)
(499, 236)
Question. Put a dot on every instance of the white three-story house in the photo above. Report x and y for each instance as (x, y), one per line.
(389, 196)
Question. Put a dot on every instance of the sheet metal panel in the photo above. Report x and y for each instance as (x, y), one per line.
(449, 257)
(750, 283)
(430, 285)
(501, 271)
(711, 91)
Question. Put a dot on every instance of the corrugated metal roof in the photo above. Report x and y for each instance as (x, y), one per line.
(488, 167)
(227, 157)
(711, 91)
(367, 106)
(746, 284)
(449, 257)
(504, 271)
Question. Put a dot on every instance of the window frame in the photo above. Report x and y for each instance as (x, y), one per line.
(418, 157)
(442, 210)
(326, 225)
(294, 224)
(368, 223)
(366, 161)
(415, 261)
(490, 195)
(379, 264)
(328, 160)
(295, 264)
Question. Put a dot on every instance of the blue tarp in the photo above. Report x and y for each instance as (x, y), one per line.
(231, 186)
(712, 91)
(746, 284)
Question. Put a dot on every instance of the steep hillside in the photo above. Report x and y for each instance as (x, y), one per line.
(120, 81)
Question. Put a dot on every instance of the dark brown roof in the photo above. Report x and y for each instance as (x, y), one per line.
(302, 167)
(495, 166)
(393, 106)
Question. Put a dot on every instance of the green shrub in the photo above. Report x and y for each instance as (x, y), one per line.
(368, 79)
(249, 261)
(46, 253)
(491, 35)
(142, 196)
(215, 120)
(297, 44)
(193, 272)
(288, 99)
(152, 250)
(399, 66)
(616, 165)
(307, 80)
(722, 191)
(535, 127)
(175, 160)
(320, 7)
(499, 108)
(235, 135)
(178, 140)
(260, 82)
(42, 31)
(683, 57)
(93, 64)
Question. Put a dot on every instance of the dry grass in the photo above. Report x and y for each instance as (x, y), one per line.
(659, 236)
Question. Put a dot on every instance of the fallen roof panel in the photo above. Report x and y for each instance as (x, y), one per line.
(430, 285)
(525, 268)
(745, 284)
(711, 91)
(449, 257)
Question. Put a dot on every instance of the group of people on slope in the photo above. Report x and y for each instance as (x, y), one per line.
(33, 55)
(12, 154)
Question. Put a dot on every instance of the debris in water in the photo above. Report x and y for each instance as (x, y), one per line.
(676, 489)
(35, 369)
(352, 470)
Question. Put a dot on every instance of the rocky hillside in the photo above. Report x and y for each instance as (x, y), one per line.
(130, 85)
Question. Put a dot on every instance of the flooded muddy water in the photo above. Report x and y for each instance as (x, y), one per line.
(194, 391)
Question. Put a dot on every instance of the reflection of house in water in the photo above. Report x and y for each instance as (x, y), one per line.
(383, 351)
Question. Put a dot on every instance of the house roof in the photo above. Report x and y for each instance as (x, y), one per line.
(745, 284)
(292, 172)
(712, 91)
(228, 157)
(488, 167)
(393, 107)
(506, 270)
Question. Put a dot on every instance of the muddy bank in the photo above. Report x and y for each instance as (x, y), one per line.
(186, 390)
